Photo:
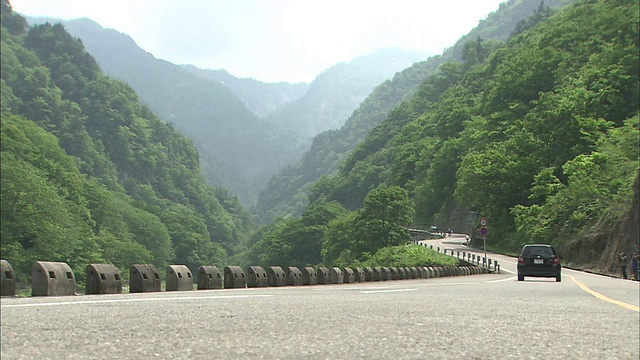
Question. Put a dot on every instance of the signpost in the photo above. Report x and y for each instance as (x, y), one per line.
(484, 231)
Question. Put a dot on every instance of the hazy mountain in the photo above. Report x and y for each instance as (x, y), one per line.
(92, 175)
(238, 151)
(337, 91)
(286, 193)
(259, 97)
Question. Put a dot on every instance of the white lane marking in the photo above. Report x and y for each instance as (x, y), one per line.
(386, 291)
(111, 301)
(502, 280)
(350, 288)
(455, 283)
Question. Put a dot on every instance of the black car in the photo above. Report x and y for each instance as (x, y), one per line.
(538, 260)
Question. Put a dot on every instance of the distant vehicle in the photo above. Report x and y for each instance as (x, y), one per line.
(539, 260)
(433, 229)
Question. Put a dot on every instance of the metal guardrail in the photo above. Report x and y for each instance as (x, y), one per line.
(467, 257)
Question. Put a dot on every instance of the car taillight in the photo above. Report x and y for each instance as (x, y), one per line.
(556, 260)
(520, 260)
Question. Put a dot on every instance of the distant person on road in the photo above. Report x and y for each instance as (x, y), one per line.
(622, 263)
(634, 265)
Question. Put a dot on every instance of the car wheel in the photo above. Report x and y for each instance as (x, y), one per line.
(520, 277)
(558, 278)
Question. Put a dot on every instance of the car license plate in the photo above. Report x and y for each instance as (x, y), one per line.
(538, 261)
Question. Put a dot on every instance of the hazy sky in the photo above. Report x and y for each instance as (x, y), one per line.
(274, 40)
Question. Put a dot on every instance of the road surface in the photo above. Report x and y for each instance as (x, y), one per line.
(491, 316)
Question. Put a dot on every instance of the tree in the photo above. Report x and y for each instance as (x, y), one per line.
(383, 221)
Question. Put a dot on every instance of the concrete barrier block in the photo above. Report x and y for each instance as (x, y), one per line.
(209, 277)
(52, 279)
(386, 273)
(336, 276)
(234, 277)
(276, 277)
(144, 278)
(393, 272)
(358, 272)
(294, 276)
(309, 276)
(402, 273)
(179, 278)
(368, 274)
(429, 270)
(7, 279)
(256, 277)
(414, 272)
(348, 276)
(103, 279)
(324, 277)
(377, 274)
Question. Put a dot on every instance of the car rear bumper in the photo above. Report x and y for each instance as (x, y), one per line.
(538, 271)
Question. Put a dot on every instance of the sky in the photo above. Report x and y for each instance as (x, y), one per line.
(274, 40)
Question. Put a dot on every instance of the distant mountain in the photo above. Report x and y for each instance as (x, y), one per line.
(337, 91)
(259, 97)
(237, 150)
(286, 193)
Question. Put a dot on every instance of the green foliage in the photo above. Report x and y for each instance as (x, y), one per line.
(515, 135)
(298, 242)
(382, 222)
(286, 193)
(599, 188)
(90, 175)
(408, 256)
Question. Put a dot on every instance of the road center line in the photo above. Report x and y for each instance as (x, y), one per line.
(386, 291)
(111, 301)
(603, 297)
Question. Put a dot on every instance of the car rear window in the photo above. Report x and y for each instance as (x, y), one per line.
(537, 250)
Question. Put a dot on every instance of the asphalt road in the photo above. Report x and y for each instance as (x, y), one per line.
(489, 316)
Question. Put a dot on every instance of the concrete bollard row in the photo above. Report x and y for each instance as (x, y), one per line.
(57, 279)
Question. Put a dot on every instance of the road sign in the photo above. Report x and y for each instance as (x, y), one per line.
(484, 222)
(484, 231)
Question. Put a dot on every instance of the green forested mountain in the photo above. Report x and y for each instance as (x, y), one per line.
(286, 193)
(237, 150)
(259, 97)
(539, 134)
(89, 173)
(336, 92)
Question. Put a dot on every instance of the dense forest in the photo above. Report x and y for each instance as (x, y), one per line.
(245, 130)
(238, 151)
(90, 174)
(538, 133)
(287, 192)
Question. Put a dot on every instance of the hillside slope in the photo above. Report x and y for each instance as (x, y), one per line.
(540, 136)
(286, 193)
(90, 174)
(237, 150)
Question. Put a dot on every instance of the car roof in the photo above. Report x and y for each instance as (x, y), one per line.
(537, 245)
